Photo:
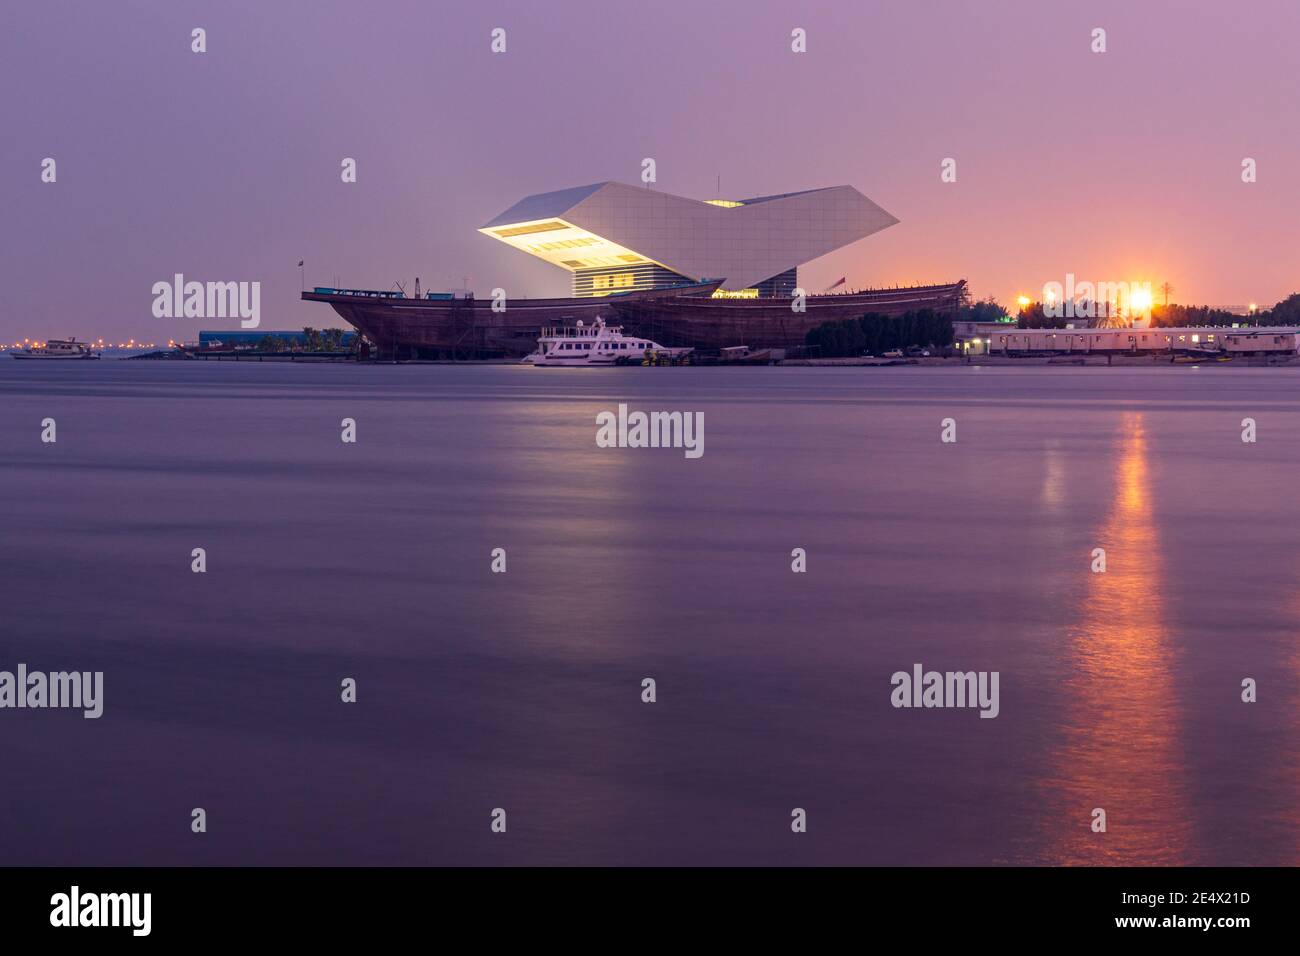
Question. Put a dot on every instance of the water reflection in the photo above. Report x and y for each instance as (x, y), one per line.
(1054, 476)
(1120, 749)
(1287, 810)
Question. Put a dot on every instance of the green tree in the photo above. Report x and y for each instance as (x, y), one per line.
(985, 310)
(875, 333)
(1286, 312)
(1181, 316)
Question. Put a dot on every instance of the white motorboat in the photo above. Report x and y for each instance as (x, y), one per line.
(58, 349)
(597, 344)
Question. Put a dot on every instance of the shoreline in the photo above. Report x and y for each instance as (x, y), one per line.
(1059, 361)
(1153, 360)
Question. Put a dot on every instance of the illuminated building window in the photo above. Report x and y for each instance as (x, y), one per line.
(622, 280)
(551, 226)
(562, 244)
(591, 278)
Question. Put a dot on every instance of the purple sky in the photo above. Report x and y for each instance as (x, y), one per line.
(1120, 166)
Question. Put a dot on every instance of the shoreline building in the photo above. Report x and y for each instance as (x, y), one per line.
(211, 339)
(615, 238)
(707, 274)
(1009, 340)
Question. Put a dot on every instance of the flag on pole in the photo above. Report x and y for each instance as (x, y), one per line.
(836, 285)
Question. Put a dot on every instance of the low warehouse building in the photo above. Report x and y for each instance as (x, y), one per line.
(1239, 341)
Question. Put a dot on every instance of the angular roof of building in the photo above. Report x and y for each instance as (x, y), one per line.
(744, 242)
(544, 205)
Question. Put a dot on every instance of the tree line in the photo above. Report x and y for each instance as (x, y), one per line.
(874, 333)
(1286, 312)
(318, 340)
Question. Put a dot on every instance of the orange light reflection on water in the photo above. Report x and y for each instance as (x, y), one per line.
(1121, 749)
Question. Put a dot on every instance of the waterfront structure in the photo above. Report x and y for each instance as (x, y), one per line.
(1199, 340)
(614, 238)
(246, 338)
(706, 275)
(678, 316)
(439, 325)
(703, 322)
(972, 337)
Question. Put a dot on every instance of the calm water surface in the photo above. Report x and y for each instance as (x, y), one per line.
(478, 690)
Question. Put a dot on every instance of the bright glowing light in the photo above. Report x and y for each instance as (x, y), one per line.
(1253, 308)
(1140, 300)
(1023, 301)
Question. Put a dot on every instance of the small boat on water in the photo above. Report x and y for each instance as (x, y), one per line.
(597, 344)
(1200, 357)
(744, 355)
(58, 349)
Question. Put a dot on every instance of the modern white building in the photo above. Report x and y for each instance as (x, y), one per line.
(613, 237)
